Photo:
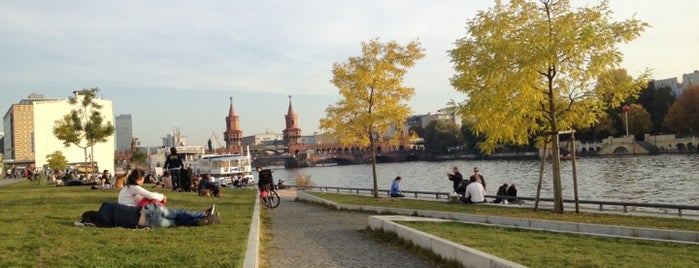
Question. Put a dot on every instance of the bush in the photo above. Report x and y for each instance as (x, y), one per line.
(303, 181)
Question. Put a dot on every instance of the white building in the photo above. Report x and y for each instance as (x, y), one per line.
(266, 139)
(29, 128)
(677, 87)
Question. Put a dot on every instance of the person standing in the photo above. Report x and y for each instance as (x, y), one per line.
(456, 179)
(187, 178)
(478, 177)
(173, 164)
(395, 188)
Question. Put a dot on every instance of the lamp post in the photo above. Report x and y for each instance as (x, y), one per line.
(626, 117)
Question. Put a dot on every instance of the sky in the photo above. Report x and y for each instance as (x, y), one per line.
(176, 63)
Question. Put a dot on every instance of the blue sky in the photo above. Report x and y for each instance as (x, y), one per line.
(177, 63)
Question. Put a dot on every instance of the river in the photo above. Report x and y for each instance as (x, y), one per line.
(666, 179)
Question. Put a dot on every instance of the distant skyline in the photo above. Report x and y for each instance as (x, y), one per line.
(176, 63)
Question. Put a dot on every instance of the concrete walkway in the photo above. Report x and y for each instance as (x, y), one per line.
(306, 235)
(4, 182)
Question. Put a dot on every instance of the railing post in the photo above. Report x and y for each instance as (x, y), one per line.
(436, 196)
(624, 208)
(600, 207)
(415, 195)
(679, 211)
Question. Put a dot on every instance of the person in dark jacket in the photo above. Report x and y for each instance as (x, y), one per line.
(456, 179)
(173, 164)
(187, 178)
(207, 187)
(502, 191)
(512, 192)
(152, 215)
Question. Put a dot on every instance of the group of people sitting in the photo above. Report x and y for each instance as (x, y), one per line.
(509, 191)
(473, 190)
(139, 208)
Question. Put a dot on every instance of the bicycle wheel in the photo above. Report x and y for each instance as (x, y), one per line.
(273, 199)
(265, 200)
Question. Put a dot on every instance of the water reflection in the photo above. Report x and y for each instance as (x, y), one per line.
(654, 179)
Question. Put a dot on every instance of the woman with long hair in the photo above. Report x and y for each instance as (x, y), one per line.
(156, 214)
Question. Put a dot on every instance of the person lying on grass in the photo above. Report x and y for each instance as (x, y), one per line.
(152, 215)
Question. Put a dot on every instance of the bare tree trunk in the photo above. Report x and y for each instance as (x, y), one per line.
(556, 167)
(373, 163)
(85, 160)
(541, 175)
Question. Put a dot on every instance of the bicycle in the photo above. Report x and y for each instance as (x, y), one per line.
(270, 197)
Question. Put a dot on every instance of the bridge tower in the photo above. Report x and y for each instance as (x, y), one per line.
(233, 135)
(292, 132)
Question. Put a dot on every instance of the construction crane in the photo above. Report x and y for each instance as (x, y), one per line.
(215, 137)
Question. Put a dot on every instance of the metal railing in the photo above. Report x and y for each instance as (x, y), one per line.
(625, 206)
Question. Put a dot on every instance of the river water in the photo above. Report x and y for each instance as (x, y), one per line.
(666, 179)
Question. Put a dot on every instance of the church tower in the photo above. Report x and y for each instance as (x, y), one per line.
(233, 134)
(292, 133)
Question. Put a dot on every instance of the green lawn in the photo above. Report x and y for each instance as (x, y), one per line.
(547, 249)
(36, 226)
(512, 211)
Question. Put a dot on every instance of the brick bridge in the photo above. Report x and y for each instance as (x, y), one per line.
(341, 157)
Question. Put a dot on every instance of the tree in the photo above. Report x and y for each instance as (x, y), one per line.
(683, 115)
(440, 135)
(657, 101)
(530, 69)
(139, 158)
(84, 126)
(57, 161)
(374, 101)
(639, 120)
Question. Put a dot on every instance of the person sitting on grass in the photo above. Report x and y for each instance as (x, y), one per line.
(512, 191)
(133, 194)
(208, 188)
(475, 193)
(502, 191)
(395, 188)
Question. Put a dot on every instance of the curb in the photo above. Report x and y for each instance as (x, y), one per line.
(253, 247)
(466, 256)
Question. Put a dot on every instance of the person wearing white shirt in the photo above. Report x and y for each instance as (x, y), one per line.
(475, 193)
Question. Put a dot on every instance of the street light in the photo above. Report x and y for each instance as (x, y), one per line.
(626, 116)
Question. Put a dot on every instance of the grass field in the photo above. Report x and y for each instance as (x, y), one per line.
(36, 226)
(513, 211)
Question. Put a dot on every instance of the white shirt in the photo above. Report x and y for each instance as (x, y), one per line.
(130, 195)
(476, 191)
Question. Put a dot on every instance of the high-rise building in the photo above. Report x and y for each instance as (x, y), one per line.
(123, 131)
(29, 138)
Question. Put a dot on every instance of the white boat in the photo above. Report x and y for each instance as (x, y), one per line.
(225, 168)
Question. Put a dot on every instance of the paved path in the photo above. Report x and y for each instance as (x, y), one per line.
(307, 235)
(4, 182)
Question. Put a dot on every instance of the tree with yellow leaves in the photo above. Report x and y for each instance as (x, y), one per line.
(374, 101)
(530, 68)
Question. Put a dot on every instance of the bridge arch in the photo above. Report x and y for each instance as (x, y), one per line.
(621, 150)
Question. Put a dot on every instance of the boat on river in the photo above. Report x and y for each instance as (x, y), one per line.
(225, 168)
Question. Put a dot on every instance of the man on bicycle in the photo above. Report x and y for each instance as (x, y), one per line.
(265, 179)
